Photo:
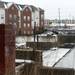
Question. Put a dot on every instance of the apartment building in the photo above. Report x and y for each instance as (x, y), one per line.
(23, 17)
(12, 16)
(9, 15)
(26, 27)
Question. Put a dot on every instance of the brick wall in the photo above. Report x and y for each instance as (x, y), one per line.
(7, 50)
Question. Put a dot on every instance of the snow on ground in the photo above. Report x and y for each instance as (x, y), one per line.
(68, 61)
(20, 44)
(25, 39)
(50, 57)
(22, 61)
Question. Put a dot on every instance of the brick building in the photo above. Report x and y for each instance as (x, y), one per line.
(22, 17)
(26, 27)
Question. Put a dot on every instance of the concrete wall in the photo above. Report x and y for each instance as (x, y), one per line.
(35, 69)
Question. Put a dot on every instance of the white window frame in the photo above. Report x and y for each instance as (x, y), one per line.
(2, 16)
(24, 17)
(28, 24)
(28, 18)
(24, 25)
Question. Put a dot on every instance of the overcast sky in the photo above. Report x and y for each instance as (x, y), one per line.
(67, 7)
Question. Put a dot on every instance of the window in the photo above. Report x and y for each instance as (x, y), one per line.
(10, 15)
(24, 17)
(28, 18)
(2, 16)
(14, 23)
(12, 8)
(37, 24)
(28, 25)
(15, 17)
(24, 24)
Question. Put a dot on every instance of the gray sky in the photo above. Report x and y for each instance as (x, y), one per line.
(67, 7)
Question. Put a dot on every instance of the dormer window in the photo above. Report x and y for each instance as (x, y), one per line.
(28, 18)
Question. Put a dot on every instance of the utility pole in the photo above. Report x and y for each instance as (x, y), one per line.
(59, 16)
(34, 30)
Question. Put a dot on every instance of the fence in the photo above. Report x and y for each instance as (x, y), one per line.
(29, 55)
(35, 69)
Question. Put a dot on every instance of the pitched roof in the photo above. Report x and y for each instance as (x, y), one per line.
(19, 6)
(9, 4)
(2, 4)
(41, 9)
(33, 8)
(22, 6)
